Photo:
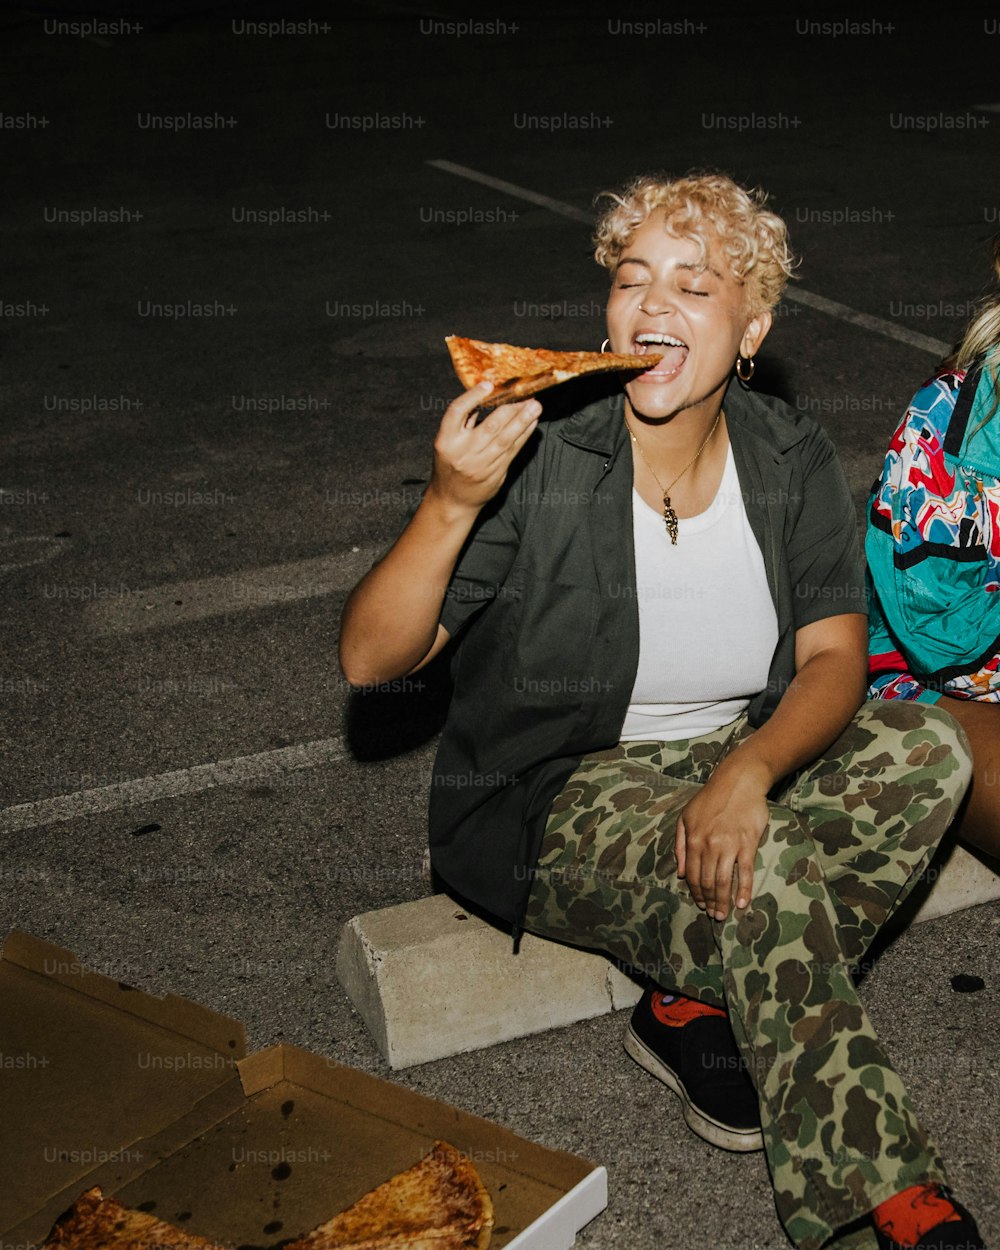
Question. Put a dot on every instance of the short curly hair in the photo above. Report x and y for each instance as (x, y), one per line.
(753, 239)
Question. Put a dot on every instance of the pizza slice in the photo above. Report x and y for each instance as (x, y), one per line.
(438, 1204)
(94, 1222)
(517, 372)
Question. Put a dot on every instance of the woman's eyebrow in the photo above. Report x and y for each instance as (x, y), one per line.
(689, 266)
(702, 269)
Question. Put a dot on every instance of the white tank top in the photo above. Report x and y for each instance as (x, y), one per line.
(707, 624)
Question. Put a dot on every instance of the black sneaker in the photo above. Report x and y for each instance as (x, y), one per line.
(700, 1062)
(951, 1235)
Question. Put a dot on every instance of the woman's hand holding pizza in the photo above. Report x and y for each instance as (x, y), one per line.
(471, 461)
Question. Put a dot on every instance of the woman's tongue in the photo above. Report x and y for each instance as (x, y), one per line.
(672, 358)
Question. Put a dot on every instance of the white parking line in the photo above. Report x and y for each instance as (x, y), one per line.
(176, 602)
(171, 785)
(867, 322)
(22, 553)
(797, 296)
(510, 188)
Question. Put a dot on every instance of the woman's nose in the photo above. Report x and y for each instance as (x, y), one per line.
(656, 301)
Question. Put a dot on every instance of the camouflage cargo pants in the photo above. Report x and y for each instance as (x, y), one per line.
(847, 839)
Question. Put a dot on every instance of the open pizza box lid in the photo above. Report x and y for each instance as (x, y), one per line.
(155, 1100)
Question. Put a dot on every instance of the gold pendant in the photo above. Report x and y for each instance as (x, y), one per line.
(670, 518)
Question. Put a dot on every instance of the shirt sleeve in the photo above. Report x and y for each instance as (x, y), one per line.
(488, 553)
(824, 551)
(484, 561)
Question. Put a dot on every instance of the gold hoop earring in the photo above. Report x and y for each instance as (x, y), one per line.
(604, 345)
(744, 377)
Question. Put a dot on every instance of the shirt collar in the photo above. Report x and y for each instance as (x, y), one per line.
(600, 426)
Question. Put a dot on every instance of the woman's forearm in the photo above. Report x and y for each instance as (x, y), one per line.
(814, 711)
(390, 619)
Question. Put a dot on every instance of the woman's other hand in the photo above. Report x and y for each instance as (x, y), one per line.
(718, 833)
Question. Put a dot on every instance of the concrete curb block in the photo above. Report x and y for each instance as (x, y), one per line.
(957, 879)
(430, 980)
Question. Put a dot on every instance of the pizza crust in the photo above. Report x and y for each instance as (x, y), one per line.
(517, 372)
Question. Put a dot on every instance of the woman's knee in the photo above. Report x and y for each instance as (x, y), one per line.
(922, 740)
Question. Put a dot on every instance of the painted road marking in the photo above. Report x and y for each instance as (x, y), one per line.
(521, 193)
(242, 768)
(867, 322)
(157, 607)
(28, 551)
(797, 296)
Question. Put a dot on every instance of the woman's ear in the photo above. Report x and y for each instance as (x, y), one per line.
(755, 334)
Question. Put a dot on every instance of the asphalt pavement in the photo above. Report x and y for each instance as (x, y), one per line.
(230, 267)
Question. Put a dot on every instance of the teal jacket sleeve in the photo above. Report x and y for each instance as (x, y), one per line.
(889, 676)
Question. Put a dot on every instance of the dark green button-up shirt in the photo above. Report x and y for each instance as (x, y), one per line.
(543, 604)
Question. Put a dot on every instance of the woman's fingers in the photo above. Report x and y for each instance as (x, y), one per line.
(497, 454)
(497, 434)
(731, 883)
(710, 883)
(693, 875)
(744, 882)
(463, 406)
(504, 424)
(722, 887)
(680, 846)
(520, 422)
(688, 848)
(709, 874)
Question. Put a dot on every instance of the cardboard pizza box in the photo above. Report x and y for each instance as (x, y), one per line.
(155, 1100)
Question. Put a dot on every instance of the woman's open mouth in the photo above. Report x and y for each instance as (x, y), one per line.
(675, 352)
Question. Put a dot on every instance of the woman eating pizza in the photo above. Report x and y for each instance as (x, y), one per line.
(658, 745)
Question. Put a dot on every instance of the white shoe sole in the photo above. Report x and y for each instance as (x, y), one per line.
(721, 1135)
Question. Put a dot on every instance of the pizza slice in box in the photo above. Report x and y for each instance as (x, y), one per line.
(438, 1204)
(94, 1222)
(517, 372)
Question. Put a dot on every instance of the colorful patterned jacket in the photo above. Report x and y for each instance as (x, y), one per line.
(933, 547)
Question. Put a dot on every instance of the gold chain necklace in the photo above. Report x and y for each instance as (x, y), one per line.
(669, 515)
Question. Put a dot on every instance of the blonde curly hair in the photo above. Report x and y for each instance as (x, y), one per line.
(982, 338)
(753, 239)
